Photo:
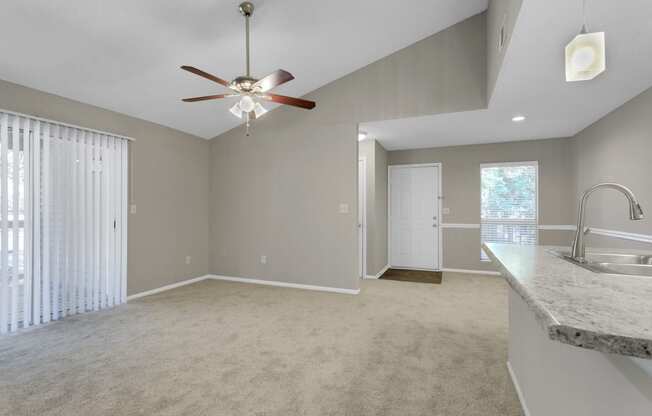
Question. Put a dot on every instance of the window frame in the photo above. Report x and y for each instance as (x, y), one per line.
(535, 222)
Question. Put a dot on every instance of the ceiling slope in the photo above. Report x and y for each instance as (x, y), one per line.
(124, 55)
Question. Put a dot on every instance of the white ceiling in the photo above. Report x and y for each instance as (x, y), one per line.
(532, 79)
(124, 55)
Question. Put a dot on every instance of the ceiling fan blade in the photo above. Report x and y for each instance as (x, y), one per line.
(274, 79)
(282, 99)
(205, 75)
(207, 97)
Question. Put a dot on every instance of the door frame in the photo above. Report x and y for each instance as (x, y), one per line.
(362, 251)
(440, 251)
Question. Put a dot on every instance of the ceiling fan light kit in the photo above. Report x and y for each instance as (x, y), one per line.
(585, 54)
(249, 89)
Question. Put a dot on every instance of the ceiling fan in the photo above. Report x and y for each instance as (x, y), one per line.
(251, 90)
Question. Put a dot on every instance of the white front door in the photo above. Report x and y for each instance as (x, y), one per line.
(413, 217)
(362, 217)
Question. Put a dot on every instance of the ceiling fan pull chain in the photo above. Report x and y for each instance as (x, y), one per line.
(247, 126)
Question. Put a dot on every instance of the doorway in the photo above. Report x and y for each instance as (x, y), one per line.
(414, 216)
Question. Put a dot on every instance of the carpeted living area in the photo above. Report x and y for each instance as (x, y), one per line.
(220, 348)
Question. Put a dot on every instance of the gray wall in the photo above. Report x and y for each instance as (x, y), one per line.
(277, 192)
(616, 148)
(443, 73)
(461, 190)
(376, 193)
(171, 186)
(499, 12)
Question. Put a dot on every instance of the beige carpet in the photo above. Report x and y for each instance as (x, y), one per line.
(217, 348)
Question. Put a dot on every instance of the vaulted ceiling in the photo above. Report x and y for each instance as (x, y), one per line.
(124, 55)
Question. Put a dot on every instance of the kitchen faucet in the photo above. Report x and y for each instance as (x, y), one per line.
(635, 213)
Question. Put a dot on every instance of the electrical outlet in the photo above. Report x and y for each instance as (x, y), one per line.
(132, 209)
(263, 259)
(445, 211)
(344, 208)
(188, 259)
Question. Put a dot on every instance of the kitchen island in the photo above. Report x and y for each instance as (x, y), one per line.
(580, 342)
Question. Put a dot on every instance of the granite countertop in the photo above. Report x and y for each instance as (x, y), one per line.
(603, 312)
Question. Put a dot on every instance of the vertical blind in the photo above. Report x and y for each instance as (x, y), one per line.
(63, 220)
(508, 211)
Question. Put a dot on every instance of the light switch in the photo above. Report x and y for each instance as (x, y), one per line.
(263, 259)
(445, 211)
(188, 259)
(132, 209)
(344, 208)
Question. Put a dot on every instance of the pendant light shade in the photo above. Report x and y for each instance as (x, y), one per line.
(585, 54)
(585, 57)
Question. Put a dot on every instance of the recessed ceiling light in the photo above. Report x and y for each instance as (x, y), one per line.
(518, 119)
(362, 135)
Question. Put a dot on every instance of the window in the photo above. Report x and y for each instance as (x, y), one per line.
(508, 211)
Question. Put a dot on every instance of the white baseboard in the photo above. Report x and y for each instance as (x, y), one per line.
(519, 392)
(285, 284)
(242, 280)
(167, 287)
(487, 272)
(380, 273)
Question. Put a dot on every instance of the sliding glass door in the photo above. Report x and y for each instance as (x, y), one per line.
(63, 220)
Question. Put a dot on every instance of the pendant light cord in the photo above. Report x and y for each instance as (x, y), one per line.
(584, 27)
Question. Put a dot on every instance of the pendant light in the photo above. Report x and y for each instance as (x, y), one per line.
(585, 54)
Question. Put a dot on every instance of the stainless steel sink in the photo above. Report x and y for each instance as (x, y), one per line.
(608, 263)
(612, 263)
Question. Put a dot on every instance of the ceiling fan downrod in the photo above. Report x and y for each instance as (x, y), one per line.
(247, 9)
